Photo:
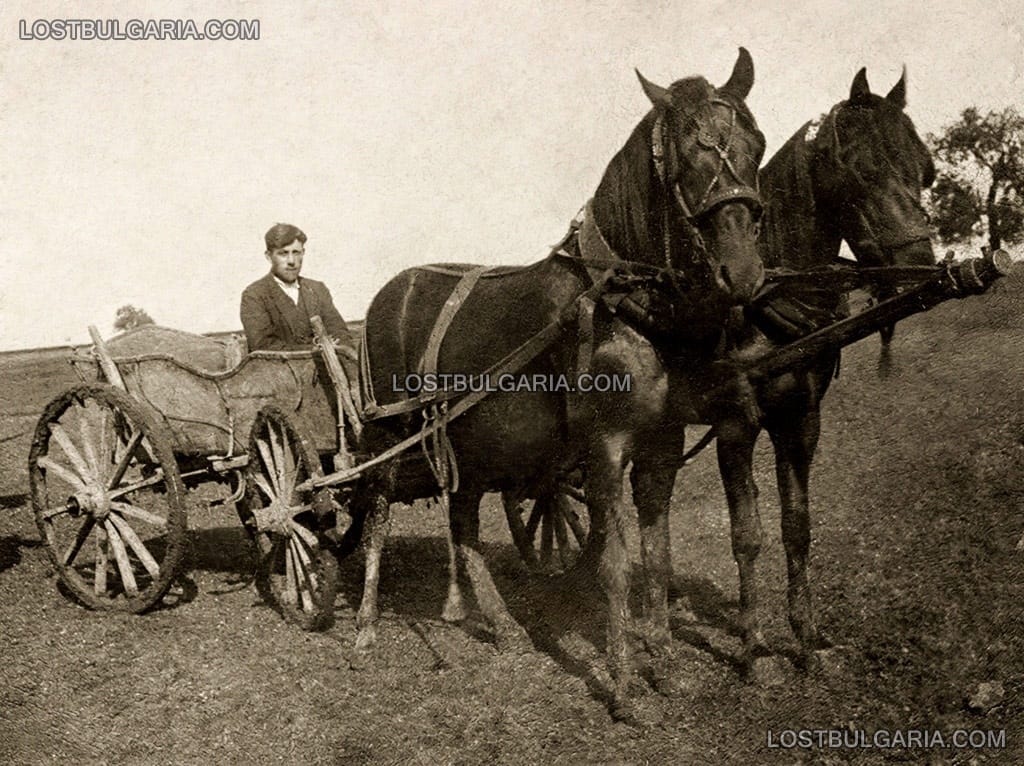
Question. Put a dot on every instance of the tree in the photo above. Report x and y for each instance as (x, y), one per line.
(128, 318)
(981, 173)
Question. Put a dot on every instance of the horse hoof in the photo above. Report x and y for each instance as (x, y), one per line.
(633, 714)
(828, 662)
(821, 640)
(454, 611)
(514, 642)
(767, 671)
(366, 638)
(671, 686)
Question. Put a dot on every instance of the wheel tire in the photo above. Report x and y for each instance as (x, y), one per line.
(87, 485)
(296, 573)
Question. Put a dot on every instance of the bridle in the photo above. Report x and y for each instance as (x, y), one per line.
(691, 213)
(830, 123)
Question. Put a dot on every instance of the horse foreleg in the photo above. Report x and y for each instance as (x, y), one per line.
(454, 610)
(652, 492)
(376, 530)
(465, 531)
(735, 455)
(605, 470)
(795, 442)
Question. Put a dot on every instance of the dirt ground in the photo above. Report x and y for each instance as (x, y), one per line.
(918, 503)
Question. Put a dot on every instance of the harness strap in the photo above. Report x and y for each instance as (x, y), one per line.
(461, 291)
(585, 335)
(437, 448)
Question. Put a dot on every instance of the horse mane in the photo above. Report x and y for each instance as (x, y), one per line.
(630, 190)
(790, 220)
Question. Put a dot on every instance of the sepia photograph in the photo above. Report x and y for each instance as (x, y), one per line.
(509, 382)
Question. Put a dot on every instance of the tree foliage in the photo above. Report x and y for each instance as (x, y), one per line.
(955, 209)
(981, 175)
(129, 317)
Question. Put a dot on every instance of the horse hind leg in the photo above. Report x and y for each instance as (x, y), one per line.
(735, 458)
(465, 532)
(376, 530)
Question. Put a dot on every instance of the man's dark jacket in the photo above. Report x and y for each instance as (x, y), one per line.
(273, 323)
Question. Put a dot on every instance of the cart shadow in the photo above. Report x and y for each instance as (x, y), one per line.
(10, 550)
(11, 501)
(225, 551)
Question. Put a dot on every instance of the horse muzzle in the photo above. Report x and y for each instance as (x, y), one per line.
(740, 285)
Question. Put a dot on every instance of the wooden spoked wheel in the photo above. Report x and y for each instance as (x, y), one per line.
(108, 498)
(296, 574)
(550, 532)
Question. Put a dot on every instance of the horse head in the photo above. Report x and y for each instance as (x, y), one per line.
(869, 168)
(702, 150)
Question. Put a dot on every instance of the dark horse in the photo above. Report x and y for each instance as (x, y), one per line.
(677, 210)
(856, 175)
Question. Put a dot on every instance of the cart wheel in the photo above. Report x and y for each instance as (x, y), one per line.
(296, 574)
(552, 532)
(108, 498)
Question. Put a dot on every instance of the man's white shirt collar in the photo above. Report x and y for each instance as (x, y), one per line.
(291, 290)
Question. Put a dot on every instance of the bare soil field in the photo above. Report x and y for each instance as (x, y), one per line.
(918, 503)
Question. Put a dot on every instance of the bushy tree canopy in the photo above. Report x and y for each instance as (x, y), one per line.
(981, 175)
(129, 317)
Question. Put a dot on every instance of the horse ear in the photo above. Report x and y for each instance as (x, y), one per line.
(860, 90)
(656, 93)
(898, 95)
(742, 78)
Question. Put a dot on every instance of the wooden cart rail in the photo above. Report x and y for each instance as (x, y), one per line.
(210, 412)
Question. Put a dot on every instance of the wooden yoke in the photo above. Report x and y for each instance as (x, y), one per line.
(346, 407)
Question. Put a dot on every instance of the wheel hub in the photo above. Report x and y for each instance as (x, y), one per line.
(93, 500)
(275, 517)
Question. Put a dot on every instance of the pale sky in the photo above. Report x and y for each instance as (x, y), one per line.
(393, 133)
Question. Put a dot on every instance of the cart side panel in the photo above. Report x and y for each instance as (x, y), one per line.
(192, 405)
(211, 412)
(293, 384)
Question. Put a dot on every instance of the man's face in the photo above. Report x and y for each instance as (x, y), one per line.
(286, 262)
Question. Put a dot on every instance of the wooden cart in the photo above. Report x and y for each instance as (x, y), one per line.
(112, 459)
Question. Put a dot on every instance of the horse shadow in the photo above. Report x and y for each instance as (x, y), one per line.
(565, 616)
(573, 606)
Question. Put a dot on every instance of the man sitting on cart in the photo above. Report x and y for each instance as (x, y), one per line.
(276, 309)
